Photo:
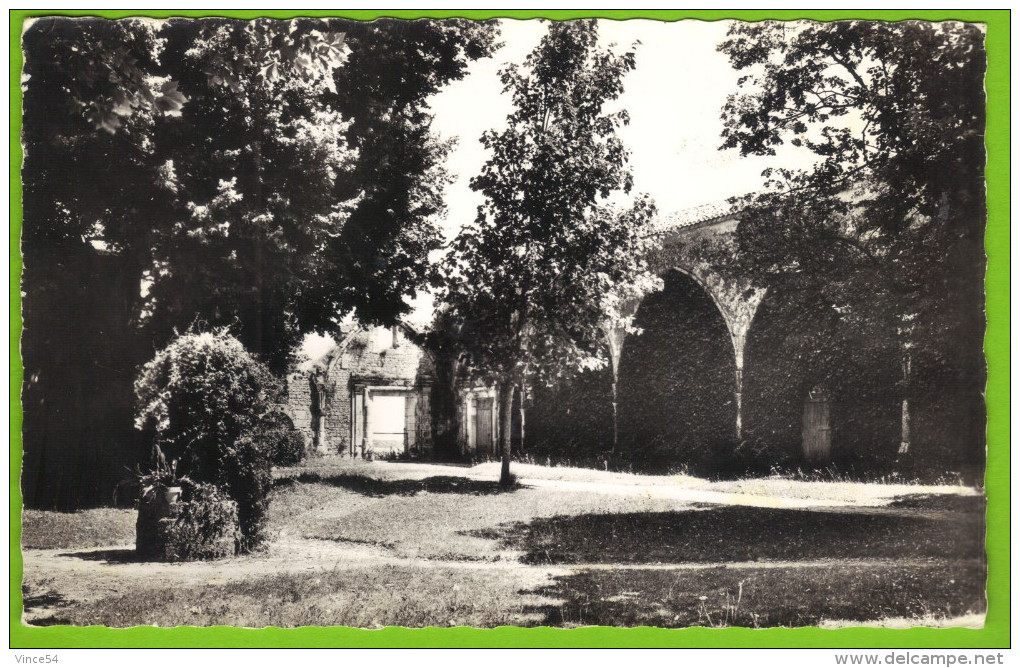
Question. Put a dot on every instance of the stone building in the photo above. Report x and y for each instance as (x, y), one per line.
(371, 394)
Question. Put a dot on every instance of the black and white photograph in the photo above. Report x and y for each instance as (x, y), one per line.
(485, 323)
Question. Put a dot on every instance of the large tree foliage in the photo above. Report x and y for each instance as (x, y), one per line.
(532, 276)
(235, 173)
(251, 165)
(382, 254)
(894, 206)
(316, 148)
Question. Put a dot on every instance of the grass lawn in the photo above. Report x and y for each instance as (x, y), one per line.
(368, 597)
(97, 527)
(376, 544)
(443, 596)
(765, 597)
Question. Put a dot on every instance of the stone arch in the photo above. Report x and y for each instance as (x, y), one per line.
(676, 379)
(801, 347)
(738, 302)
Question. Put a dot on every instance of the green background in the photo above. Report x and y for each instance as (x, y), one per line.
(996, 631)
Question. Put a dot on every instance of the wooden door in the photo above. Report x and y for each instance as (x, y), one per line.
(817, 431)
(483, 426)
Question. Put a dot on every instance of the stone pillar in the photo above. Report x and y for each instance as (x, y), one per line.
(324, 443)
(738, 391)
(469, 413)
(354, 417)
(366, 437)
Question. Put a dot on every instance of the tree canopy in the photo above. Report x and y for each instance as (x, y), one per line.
(893, 208)
(894, 113)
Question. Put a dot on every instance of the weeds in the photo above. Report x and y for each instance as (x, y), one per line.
(833, 473)
(729, 614)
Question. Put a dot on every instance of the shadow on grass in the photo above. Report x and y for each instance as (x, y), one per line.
(736, 533)
(44, 600)
(52, 620)
(431, 462)
(379, 488)
(941, 503)
(119, 556)
(761, 598)
(32, 601)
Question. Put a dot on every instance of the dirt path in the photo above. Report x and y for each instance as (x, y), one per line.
(92, 574)
(770, 492)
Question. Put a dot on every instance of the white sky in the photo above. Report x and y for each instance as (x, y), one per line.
(675, 97)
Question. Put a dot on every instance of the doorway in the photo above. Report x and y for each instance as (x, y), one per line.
(483, 425)
(817, 432)
(387, 415)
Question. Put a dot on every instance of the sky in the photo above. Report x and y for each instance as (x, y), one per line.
(674, 96)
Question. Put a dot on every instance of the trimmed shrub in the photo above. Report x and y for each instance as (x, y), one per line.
(290, 448)
(203, 524)
(210, 407)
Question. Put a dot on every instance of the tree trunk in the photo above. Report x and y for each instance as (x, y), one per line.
(616, 417)
(905, 407)
(522, 397)
(506, 400)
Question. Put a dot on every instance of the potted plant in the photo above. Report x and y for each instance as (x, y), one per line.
(160, 489)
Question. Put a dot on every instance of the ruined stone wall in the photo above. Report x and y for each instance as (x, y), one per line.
(368, 358)
(299, 403)
(336, 427)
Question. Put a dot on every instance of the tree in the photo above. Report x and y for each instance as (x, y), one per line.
(382, 255)
(894, 206)
(312, 176)
(93, 92)
(251, 163)
(531, 278)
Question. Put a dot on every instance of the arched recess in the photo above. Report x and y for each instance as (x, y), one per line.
(816, 360)
(677, 379)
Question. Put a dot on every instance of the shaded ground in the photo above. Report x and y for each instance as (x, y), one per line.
(758, 597)
(723, 534)
(373, 543)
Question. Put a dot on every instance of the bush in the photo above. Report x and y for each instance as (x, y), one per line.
(210, 405)
(202, 525)
(760, 455)
(248, 473)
